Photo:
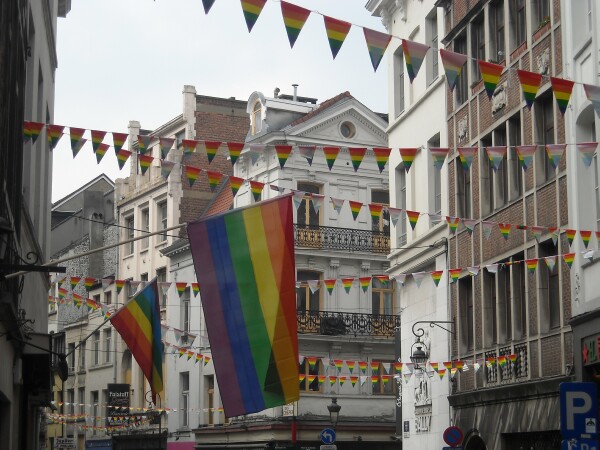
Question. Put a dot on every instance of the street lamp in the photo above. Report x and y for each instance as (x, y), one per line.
(419, 353)
(334, 411)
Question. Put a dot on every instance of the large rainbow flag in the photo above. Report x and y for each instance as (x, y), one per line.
(244, 262)
(138, 323)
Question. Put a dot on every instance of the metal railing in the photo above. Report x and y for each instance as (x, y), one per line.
(351, 324)
(345, 239)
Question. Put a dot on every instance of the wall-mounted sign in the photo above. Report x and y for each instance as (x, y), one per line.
(591, 350)
(117, 412)
(406, 429)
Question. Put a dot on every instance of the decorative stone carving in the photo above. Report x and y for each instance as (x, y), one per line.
(543, 62)
(499, 98)
(462, 128)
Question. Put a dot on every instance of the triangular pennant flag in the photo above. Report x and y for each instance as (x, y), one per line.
(181, 286)
(364, 282)
(454, 274)
(375, 380)
(313, 285)
(134, 285)
(505, 229)
(35, 128)
(207, 5)
(408, 156)
(400, 278)
(101, 151)
(438, 155)
(351, 365)
(585, 237)
(75, 148)
(356, 156)
(198, 358)
(332, 380)
(297, 198)
(492, 268)
(206, 359)
(459, 365)
(530, 84)
(256, 187)
(235, 149)
(570, 236)
(143, 142)
(362, 365)
(76, 135)
(490, 73)
(119, 140)
(106, 282)
(119, 284)
(355, 208)
(301, 377)
(26, 131)
(588, 254)
(554, 232)
(329, 284)
(294, 18)
(337, 204)
(531, 264)
(413, 217)
(555, 153)
(165, 146)
(278, 189)
(165, 168)
(192, 174)
(448, 365)
(122, 157)
(317, 202)
(525, 154)
(466, 155)
(473, 270)
(336, 30)
(353, 380)
(490, 362)
(407, 376)
(382, 154)
(418, 277)
(469, 224)
(211, 148)
(189, 146)
(550, 262)
(453, 372)
(331, 154)
(587, 150)
(145, 161)
(437, 276)
(377, 42)
(414, 54)
(383, 279)
(496, 155)
(347, 283)
(593, 94)
(342, 380)
(453, 64)
(196, 289)
(307, 152)
(283, 153)
(453, 223)
(375, 211)
(54, 133)
(251, 10)
(214, 178)
(312, 361)
(235, 183)
(74, 282)
(562, 92)
(487, 228)
(537, 232)
(89, 283)
(395, 214)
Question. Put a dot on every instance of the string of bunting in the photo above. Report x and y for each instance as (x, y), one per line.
(73, 419)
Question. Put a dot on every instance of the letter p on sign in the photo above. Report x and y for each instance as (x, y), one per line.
(578, 405)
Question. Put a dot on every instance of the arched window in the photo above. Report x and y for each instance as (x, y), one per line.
(256, 118)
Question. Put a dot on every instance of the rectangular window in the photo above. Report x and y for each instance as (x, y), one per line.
(145, 227)
(95, 411)
(185, 310)
(311, 374)
(81, 400)
(515, 184)
(82, 356)
(505, 304)
(518, 272)
(71, 402)
(461, 93)
(477, 46)
(518, 22)
(596, 169)
(107, 345)
(161, 277)
(487, 177)
(381, 198)
(544, 131)
(306, 214)
(497, 37)
(399, 82)
(108, 298)
(432, 40)
(490, 309)
(96, 348)
(465, 296)
(162, 221)
(71, 360)
(501, 175)
(384, 384)
(463, 192)
(435, 186)
(549, 289)
(306, 299)
(401, 225)
(382, 297)
(209, 385)
(541, 13)
(129, 234)
(184, 403)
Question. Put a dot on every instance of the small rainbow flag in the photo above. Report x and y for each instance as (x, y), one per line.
(530, 84)
(235, 183)
(413, 217)
(26, 131)
(362, 365)
(196, 289)
(408, 157)
(76, 135)
(235, 149)
(355, 208)
(336, 30)
(91, 304)
(145, 161)
(448, 365)
(505, 229)
(75, 281)
(192, 174)
(342, 380)
(364, 282)
(329, 284)
(570, 236)
(331, 154)
(438, 155)
(382, 154)
(251, 10)
(62, 292)
(593, 94)
(207, 5)
(459, 365)
(525, 154)
(214, 178)
(54, 133)
(437, 276)
(377, 42)
(256, 187)
(283, 153)
(562, 92)
(467, 154)
(97, 138)
(211, 149)
(375, 379)
(454, 274)
(356, 156)
(118, 141)
(165, 145)
(453, 64)
(375, 210)
(353, 380)
(301, 377)
(531, 264)
(490, 73)
(502, 360)
(452, 223)
(101, 151)
(496, 155)
(119, 284)
(206, 359)
(414, 54)
(383, 279)
(512, 358)
(347, 283)
(587, 150)
(89, 283)
(555, 153)
(351, 365)
(189, 146)
(35, 128)
(339, 364)
(332, 380)
(585, 237)
(312, 361)
(294, 18)
(321, 379)
(77, 300)
(181, 286)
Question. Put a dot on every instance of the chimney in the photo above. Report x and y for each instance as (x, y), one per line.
(276, 92)
(295, 86)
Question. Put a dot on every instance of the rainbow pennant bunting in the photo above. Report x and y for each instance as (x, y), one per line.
(312, 361)
(89, 283)
(342, 380)
(189, 146)
(362, 365)
(585, 237)
(62, 292)
(145, 162)
(452, 223)
(453, 64)
(398, 367)
(336, 30)
(502, 360)
(413, 217)
(165, 145)
(530, 84)
(375, 211)
(74, 282)
(531, 264)
(192, 174)
(101, 151)
(490, 73)
(166, 167)
(569, 258)
(562, 92)
(211, 149)
(381, 157)
(77, 300)
(351, 365)
(251, 10)
(377, 43)
(283, 153)
(35, 128)
(437, 276)
(570, 236)
(364, 282)
(505, 229)
(294, 18)
(181, 286)
(347, 283)
(555, 153)
(91, 304)
(235, 183)
(408, 157)
(454, 274)
(54, 133)
(26, 131)
(143, 143)
(593, 94)
(438, 155)
(235, 149)
(597, 238)
(512, 358)
(76, 147)
(339, 364)
(329, 284)
(206, 360)
(375, 380)
(355, 208)
(214, 178)
(331, 154)
(321, 379)
(97, 138)
(207, 5)
(76, 135)
(332, 380)
(196, 289)
(496, 155)
(525, 154)
(119, 284)
(301, 377)
(357, 155)
(467, 154)
(587, 150)
(256, 187)
(414, 54)
(118, 141)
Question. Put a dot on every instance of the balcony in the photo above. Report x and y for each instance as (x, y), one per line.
(341, 239)
(349, 324)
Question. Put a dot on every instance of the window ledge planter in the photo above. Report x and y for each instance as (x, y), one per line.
(542, 29)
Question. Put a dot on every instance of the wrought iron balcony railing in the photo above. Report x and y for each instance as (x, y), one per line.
(351, 324)
(345, 239)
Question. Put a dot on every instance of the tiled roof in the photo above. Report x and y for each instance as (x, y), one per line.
(322, 107)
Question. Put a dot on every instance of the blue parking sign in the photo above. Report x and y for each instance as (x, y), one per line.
(578, 410)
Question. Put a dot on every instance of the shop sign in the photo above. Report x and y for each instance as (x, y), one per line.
(591, 350)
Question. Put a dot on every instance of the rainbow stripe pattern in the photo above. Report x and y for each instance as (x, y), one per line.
(531, 265)
(145, 162)
(181, 286)
(452, 223)
(89, 283)
(530, 84)
(26, 131)
(76, 135)
(195, 289)
(34, 130)
(512, 358)
(245, 264)
(525, 154)
(377, 43)
(356, 156)
(490, 73)
(587, 150)
(555, 153)
(351, 365)
(101, 151)
(331, 154)
(382, 154)
(364, 283)
(118, 141)
(339, 364)
(138, 323)
(347, 283)
(119, 284)
(332, 380)
(437, 276)
(562, 90)
(122, 157)
(438, 155)
(294, 18)
(283, 153)
(363, 366)
(189, 146)
(408, 157)
(570, 235)
(585, 237)
(505, 229)
(75, 281)
(502, 360)
(355, 208)
(467, 154)
(235, 149)
(496, 155)
(235, 183)
(211, 149)
(54, 133)
(214, 178)
(374, 367)
(256, 187)
(375, 211)
(353, 380)
(329, 284)
(342, 380)
(143, 143)
(192, 174)
(251, 10)
(336, 30)
(414, 54)
(413, 217)
(454, 274)
(593, 94)
(97, 138)
(453, 64)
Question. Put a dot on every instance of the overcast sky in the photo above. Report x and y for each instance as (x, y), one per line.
(128, 60)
